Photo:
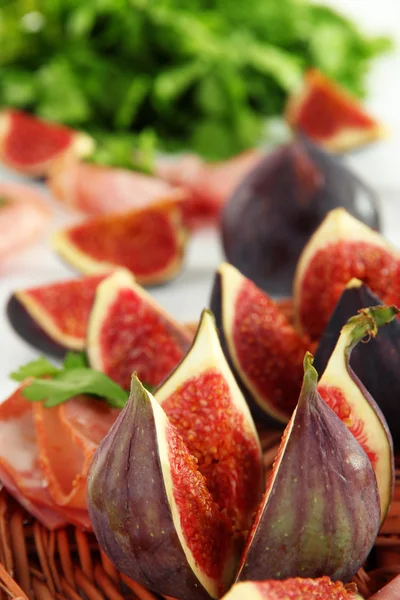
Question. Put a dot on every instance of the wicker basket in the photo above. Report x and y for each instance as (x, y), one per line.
(68, 564)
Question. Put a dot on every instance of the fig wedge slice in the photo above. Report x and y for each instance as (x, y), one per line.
(340, 249)
(342, 390)
(375, 363)
(320, 514)
(203, 401)
(150, 508)
(128, 331)
(255, 335)
(149, 242)
(296, 588)
(54, 317)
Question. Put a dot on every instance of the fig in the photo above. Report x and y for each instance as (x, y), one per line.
(322, 588)
(329, 115)
(320, 514)
(151, 510)
(149, 242)
(31, 145)
(128, 331)
(203, 401)
(340, 249)
(255, 336)
(348, 398)
(375, 363)
(54, 317)
(274, 211)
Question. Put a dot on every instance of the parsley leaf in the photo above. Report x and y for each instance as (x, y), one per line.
(73, 360)
(70, 383)
(55, 386)
(36, 368)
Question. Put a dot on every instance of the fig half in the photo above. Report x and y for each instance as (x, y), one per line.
(330, 116)
(322, 588)
(128, 331)
(342, 390)
(255, 335)
(375, 363)
(320, 514)
(203, 401)
(149, 242)
(340, 249)
(151, 510)
(54, 317)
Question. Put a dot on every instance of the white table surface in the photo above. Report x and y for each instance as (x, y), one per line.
(189, 293)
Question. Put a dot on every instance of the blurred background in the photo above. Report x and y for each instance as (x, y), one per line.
(149, 80)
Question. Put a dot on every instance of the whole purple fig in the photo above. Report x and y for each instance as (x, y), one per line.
(320, 514)
(274, 211)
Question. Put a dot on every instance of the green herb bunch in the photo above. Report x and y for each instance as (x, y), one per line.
(203, 75)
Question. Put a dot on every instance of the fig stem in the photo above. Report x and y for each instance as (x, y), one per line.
(310, 373)
(368, 321)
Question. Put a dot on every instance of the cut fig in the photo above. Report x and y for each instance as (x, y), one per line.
(150, 508)
(278, 206)
(340, 249)
(203, 401)
(320, 514)
(255, 337)
(54, 317)
(347, 396)
(31, 145)
(330, 116)
(376, 363)
(297, 588)
(128, 331)
(150, 243)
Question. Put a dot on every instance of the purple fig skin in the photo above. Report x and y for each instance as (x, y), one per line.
(374, 364)
(278, 206)
(216, 308)
(129, 509)
(30, 330)
(322, 514)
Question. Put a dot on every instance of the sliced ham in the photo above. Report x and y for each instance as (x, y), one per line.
(23, 217)
(30, 145)
(209, 185)
(35, 467)
(68, 435)
(97, 190)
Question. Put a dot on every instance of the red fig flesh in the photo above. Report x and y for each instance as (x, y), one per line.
(128, 331)
(322, 588)
(375, 363)
(330, 116)
(342, 248)
(203, 401)
(148, 242)
(150, 508)
(278, 206)
(344, 393)
(255, 336)
(54, 317)
(31, 145)
(320, 514)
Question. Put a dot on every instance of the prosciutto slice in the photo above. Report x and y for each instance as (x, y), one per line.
(23, 217)
(209, 185)
(97, 190)
(45, 454)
